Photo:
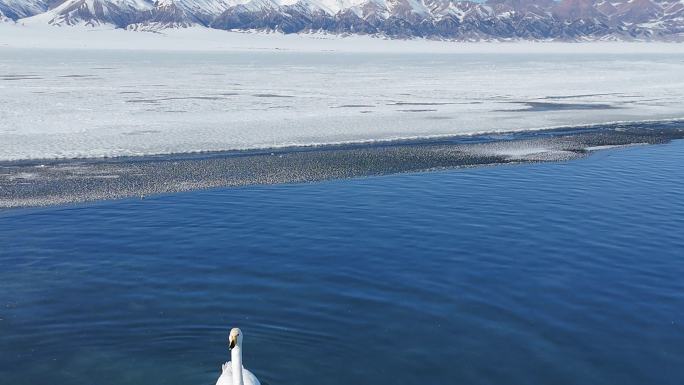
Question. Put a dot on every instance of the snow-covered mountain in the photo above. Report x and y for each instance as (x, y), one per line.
(93, 12)
(448, 19)
(17, 9)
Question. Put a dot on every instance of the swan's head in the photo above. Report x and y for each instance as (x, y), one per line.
(235, 338)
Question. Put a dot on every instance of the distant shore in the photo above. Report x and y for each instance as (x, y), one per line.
(17, 35)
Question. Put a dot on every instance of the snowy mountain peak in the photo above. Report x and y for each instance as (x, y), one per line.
(444, 19)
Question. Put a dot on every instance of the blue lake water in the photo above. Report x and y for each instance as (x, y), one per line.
(555, 273)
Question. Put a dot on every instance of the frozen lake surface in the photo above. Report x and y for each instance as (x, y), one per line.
(95, 103)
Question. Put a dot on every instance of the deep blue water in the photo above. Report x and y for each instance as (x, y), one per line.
(556, 273)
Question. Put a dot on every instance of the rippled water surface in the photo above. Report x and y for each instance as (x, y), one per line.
(557, 273)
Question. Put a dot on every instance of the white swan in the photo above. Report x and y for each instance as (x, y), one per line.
(233, 373)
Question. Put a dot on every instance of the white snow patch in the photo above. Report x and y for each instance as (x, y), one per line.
(74, 92)
(608, 147)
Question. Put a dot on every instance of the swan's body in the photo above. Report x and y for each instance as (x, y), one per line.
(227, 376)
(232, 372)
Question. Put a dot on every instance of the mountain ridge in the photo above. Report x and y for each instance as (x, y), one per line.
(565, 20)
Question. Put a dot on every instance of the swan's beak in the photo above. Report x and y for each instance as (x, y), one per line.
(232, 341)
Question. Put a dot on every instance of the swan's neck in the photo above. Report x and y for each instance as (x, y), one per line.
(236, 365)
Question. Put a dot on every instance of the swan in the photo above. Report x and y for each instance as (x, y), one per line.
(232, 372)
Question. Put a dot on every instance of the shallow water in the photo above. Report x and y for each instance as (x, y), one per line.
(31, 183)
(553, 273)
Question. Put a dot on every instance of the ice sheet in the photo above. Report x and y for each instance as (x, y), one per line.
(63, 103)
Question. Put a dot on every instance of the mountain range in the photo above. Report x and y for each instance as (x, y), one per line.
(564, 20)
